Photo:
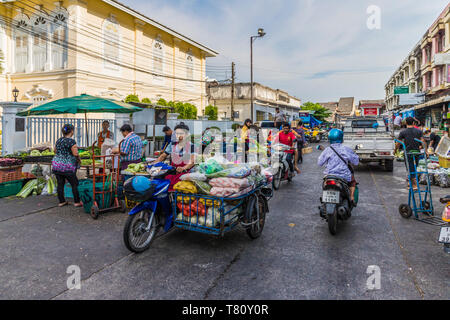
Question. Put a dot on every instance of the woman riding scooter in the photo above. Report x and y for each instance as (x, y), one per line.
(181, 152)
(338, 159)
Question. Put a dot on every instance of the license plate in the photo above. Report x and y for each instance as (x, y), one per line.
(330, 196)
(444, 237)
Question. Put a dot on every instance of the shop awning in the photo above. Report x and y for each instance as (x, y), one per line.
(433, 102)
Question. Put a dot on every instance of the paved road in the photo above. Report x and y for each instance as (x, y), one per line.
(295, 258)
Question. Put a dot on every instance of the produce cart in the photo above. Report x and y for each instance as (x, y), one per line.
(105, 169)
(218, 215)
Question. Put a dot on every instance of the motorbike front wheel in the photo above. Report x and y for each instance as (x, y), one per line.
(277, 179)
(137, 234)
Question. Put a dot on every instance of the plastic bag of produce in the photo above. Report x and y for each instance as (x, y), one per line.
(240, 171)
(202, 186)
(193, 176)
(224, 192)
(423, 179)
(185, 187)
(230, 183)
(442, 180)
(210, 166)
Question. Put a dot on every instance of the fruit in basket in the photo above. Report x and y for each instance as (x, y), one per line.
(35, 153)
(185, 187)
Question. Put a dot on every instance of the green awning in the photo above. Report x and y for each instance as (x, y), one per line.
(79, 104)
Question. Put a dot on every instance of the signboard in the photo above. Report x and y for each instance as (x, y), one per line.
(161, 117)
(441, 58)
(411, 99)
(401, 90)
(370, 111)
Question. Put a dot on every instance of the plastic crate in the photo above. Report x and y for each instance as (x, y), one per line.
(8, 174)
(85, 189)
(10, 188)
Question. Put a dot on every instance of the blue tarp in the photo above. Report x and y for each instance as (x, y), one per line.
(313, 122)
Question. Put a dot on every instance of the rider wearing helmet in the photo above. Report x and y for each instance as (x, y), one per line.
(338, 158)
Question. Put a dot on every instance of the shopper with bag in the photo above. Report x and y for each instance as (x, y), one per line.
(65, 164)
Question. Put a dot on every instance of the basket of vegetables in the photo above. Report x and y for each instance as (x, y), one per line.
(10, 170)
(38, 156)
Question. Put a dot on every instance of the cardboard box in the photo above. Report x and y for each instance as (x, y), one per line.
(307, 150)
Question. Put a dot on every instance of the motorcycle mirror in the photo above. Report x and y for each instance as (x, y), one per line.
(320, 147)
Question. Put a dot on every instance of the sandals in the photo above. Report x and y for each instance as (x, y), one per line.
(63, 204)
(78, 205)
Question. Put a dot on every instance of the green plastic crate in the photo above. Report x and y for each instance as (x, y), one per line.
(86, 192)
(10, 188)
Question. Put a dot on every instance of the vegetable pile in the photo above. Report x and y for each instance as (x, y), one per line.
(136, 168)
(8, 162)
(38, 186)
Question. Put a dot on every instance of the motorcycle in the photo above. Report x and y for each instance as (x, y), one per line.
(444, 236)
(153, 212)
(335, 203)
(281, 167)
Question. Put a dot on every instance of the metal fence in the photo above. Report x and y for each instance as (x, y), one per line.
(2, 135)
(43, 129)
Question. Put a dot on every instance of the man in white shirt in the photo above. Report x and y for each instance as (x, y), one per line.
(279, 118)
(398, 121)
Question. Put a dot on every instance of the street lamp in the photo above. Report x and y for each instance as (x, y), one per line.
(261, 34)
(15, 93)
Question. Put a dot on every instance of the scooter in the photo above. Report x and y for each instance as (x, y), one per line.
(153, 212)
(444, 236)
(281, 165)
(335, 203)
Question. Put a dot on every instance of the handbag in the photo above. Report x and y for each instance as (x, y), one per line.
(340, 157)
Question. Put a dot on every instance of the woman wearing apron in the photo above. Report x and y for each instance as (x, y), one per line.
(181, 152)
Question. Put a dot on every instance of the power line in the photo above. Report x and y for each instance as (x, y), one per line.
(97, 35)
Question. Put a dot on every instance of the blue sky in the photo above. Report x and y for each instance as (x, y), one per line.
(317, 50)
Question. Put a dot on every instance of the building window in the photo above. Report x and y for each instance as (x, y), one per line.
(158, 58)
(21, 44)
(39, 43)
(59, 40)
(189, 66)
(111, 45)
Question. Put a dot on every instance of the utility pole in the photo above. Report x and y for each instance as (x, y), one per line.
(233, 74)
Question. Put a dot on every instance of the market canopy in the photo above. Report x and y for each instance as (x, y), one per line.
(79, 104)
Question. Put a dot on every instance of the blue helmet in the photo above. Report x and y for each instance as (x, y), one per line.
(336, 136)
(141, 184)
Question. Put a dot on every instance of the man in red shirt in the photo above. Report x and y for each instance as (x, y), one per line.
(287, 137)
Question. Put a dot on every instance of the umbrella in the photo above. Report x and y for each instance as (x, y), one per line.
(80, 104)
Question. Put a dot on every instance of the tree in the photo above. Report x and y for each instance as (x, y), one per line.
(146, 100)
(132, 98)
(211, 111)
(320, 112)
(190, 111)
(162, 102)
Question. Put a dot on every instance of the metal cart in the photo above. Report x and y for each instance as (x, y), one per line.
(420, 201)
(108, 174)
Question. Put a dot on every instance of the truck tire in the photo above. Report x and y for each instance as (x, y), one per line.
(389, 165)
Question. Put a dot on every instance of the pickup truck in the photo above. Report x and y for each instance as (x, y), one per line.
(371, 143)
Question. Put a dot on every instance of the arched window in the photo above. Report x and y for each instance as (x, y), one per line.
(40, 32)
(2, 46)
(111, 44)
(190, 66)
(59, 35)
(158, 59)
(21, 28)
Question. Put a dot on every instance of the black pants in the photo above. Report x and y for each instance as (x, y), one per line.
(73, 180)
(290, 161)
(300, 151)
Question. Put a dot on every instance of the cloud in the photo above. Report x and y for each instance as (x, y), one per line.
(317, 50)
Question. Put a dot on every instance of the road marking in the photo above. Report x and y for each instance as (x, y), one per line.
(397, 239)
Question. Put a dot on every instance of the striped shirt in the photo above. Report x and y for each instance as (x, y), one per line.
(132, 146)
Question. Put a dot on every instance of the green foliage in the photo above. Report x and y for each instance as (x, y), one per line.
(162, 102)
(211, 111)
(321, 113)
(132, 98)
(146, 100)
(235, 126)
(190, 111)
